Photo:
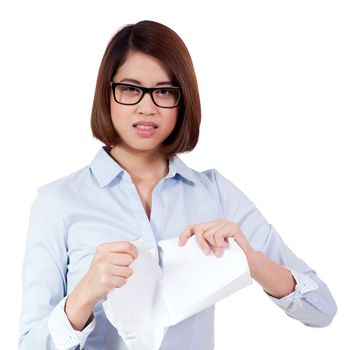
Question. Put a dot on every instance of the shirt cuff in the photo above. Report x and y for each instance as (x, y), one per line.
(292, 302)
(64, 336)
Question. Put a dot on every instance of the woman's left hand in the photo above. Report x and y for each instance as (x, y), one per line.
(214, 235)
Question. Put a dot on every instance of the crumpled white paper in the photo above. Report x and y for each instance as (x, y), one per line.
(189, 281)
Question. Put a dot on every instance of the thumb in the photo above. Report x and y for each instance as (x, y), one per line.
(185, 236)
(243, 243)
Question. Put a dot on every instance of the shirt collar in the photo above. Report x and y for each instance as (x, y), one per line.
(106, 169)
(178, 166)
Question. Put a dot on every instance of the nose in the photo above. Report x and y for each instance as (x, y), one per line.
(146, 105)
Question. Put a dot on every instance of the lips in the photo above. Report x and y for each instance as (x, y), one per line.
(146, 123)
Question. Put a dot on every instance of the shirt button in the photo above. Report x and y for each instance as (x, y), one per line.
(154, 251)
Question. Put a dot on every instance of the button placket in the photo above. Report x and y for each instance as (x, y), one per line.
(140, 214)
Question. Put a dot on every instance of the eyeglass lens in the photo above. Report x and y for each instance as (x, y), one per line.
(164, 97)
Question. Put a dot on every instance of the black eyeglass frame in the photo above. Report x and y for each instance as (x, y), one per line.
(145, 90)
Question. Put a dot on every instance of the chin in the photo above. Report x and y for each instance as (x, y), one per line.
(144, 148)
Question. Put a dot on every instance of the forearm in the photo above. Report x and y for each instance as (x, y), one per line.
(79, 308)
(311, 304)
(274, 278)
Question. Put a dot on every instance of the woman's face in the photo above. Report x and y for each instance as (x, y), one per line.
(146, 71)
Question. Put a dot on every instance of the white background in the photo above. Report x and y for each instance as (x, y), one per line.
(274, 81)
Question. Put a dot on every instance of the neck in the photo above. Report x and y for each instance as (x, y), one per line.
(141, 166)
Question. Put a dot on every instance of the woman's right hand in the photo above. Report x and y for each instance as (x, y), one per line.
(109, 269)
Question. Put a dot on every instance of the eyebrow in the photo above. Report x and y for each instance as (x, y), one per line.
(139, 83)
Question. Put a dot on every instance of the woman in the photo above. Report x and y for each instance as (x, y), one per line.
(79, 247)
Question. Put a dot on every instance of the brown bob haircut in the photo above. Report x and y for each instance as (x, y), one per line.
(161, 42)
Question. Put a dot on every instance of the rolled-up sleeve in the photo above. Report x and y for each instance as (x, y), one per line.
(311, 303)
(43, 322)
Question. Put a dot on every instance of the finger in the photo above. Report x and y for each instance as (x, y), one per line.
(209, 237)
(121, 271)
(218, 252)
(185, 235)
(222, 235)
(122, 247)
(199, 232)
(120, 259)
(209, 228)
(212, 233)
(211, 224)
(228, 229)
(243, 242)
(189, 231)
(117, 281)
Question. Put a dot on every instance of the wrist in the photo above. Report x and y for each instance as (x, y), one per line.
(274, 278)
(84, 292)
(255, 260)
(79, 308)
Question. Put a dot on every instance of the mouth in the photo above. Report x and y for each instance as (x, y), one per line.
(145, 125)
(145, 131)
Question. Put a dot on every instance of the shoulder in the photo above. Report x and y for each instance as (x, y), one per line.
(215, 181)
(59, 187)
(211, 177)
(205, 177)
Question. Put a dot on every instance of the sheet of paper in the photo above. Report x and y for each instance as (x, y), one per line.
(193, 281)
(189, 281)
(131, 308)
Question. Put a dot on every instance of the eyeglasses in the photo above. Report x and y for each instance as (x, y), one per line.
(127, 94)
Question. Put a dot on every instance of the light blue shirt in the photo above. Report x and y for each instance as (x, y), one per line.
(99, 203)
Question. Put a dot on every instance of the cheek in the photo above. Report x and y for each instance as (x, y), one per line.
(171, 118)
(114, 112)
(118, 114)
(115, 109)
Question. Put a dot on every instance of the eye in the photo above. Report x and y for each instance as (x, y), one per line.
(164, 92)
(129, 89)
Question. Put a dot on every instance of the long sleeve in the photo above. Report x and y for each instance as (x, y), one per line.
(43, 322)
(311, 303)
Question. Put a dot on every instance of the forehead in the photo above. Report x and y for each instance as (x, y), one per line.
(144, 68)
